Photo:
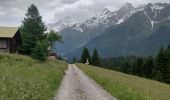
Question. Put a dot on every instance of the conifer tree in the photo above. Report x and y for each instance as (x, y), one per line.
(40, 51)
(139, 66)
(166, 72)
(74, 60)
(160, 66)
(147, 68)
(85, 55)
(95, 58)
(32, 30)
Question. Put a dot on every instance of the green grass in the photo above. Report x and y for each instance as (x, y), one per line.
(127, 87)
(22, 78)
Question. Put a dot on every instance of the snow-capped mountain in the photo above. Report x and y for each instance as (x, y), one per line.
(101, 29)
(80, 33)
(62, 24)
(157, 13)
(142, 31)
(107, 18)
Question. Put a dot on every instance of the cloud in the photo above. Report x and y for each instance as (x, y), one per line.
(2, 13)
(12, 12)
(68, 1)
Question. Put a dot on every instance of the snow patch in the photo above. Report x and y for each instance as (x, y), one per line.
(78, 28)
(157, 6)
(124, 18)
(63, 23)
(104, 14)
(111, 8)
(101, 18)
(136, 10)
(120, 21)
(151, 21)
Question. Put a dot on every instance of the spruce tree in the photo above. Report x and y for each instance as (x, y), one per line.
(139, 66)
(74, 60)
(134, 68)
(32, 30)
(95, 58)
(147, 68)
(166, 72)
(85, 55)
(40, 51)
(160, 66)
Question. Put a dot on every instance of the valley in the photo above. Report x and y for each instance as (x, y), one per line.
(85, 50)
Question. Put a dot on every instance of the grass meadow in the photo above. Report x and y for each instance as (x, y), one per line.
(127, 87)
(22, 78)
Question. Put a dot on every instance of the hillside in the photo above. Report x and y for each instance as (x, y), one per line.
(127, 87)
(139, 35)
(78, 34)
(22, 78)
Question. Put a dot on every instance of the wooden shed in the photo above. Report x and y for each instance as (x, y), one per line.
(10, 39)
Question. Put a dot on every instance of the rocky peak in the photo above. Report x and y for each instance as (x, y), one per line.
(105, 11)
(156, 6)
(126, 6)
(63, 23)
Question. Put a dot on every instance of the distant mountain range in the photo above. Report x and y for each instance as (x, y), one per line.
(62, 24)
(127, 31)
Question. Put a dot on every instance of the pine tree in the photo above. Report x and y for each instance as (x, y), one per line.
(95, 58)
(134, 68)
(147, 68)
(166, 72)
(139, 66)
(160, 66)
(32, 30)
(40, 51)
(74, 60)
(85, 55)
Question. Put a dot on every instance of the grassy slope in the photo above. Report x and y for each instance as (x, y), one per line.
(127, 87)
(22, 78)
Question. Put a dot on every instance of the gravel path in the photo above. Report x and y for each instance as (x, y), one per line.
(78, 86)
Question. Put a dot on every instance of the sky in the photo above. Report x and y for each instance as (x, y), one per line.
(12, 12)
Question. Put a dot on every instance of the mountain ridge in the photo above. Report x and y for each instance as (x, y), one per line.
(138, 35)
(79, 34)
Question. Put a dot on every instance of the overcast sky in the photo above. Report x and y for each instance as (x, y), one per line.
(12, 12)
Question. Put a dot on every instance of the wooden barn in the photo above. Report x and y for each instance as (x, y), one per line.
(10, 39)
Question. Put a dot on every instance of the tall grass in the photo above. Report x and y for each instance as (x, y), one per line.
(127, 87)
(22, 78)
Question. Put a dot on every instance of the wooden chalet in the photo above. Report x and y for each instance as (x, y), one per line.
(10, 39)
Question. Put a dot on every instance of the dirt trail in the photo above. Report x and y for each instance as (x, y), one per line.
(78, 86)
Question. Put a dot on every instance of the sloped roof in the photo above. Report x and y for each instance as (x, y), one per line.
(8, 32)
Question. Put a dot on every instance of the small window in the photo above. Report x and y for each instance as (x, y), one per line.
(3, 44)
